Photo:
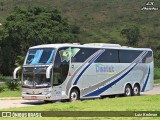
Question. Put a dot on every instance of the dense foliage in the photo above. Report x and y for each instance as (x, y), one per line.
(29, 26)
(12, 85)
(114, 21)
(132, 34)
(1, 89)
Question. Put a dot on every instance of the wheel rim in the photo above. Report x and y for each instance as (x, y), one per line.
(128, 91)
(73, 96)
(136, 90)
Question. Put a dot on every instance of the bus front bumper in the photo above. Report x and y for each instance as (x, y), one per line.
(36, 97)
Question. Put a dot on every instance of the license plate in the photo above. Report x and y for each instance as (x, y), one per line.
(33, 97)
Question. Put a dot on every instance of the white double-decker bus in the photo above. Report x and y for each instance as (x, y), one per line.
(71, 71)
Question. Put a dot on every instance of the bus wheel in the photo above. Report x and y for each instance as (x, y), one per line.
(136, 90)
(74, 95)
(128, 90)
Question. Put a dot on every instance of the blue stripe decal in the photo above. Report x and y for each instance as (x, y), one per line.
(99, 91)
(145, 84)
(94, 59)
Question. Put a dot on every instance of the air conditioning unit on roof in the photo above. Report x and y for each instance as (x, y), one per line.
(102, 44)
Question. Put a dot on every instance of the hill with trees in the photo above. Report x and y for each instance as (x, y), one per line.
(110, 21)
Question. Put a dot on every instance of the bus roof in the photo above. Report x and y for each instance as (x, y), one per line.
(90, 45)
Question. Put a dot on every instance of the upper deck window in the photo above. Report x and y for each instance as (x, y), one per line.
(39, 56)
(128, 56)
(109, 56)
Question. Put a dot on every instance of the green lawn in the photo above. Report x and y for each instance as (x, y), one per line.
(156, 73)
(137, 103)
(9, 93)
(157, 81)
(5, 78)
(141, 103)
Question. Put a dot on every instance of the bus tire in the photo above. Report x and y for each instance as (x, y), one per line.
(136, 90)
(74, 95)
(128, 90)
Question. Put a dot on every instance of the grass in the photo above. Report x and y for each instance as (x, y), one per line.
(157, 81)
(137, 103)
(5, 78)
(156, 73)
(9, 93)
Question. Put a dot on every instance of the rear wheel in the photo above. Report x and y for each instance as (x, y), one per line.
(136, 90)
(128, 90)
(74, 95)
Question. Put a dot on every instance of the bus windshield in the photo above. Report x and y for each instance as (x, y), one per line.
(35, 80)
(39, 56)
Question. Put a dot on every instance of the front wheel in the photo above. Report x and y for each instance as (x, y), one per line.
(128, 90)
(74, 95)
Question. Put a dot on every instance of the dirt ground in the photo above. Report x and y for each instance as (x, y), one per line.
(18, 103)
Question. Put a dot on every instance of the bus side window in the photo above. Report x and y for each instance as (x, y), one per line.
(128, 56)
(83, 54)
(109, 56)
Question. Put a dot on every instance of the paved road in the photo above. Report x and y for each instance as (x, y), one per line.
(156, 90)
(18, 103)
(23, 103)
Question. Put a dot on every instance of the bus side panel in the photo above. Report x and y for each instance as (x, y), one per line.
(118, 87)
(97, 73)
(135, 76)
(149, 80)
(142, 76)
(138, 75)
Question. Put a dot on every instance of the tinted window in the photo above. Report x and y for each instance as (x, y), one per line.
(83, 54)
(128, 56)
(109, 56)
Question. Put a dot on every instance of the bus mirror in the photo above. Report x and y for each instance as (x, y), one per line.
(15, 72)
(48, 71)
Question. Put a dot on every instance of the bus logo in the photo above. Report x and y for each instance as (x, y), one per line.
(100, 68)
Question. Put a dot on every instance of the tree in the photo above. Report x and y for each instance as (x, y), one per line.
(132, 34)
(29, 26)
(2, 5)
(19, 61)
